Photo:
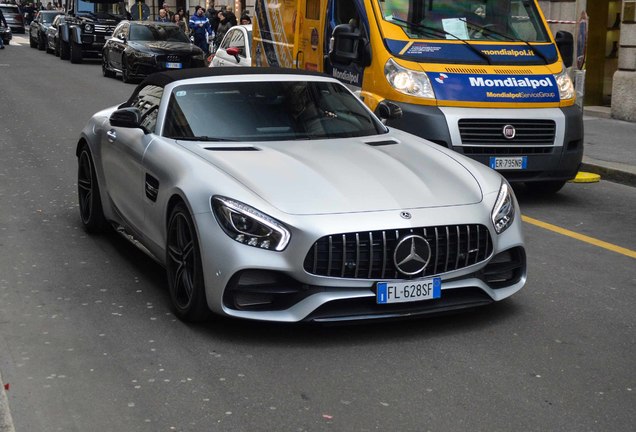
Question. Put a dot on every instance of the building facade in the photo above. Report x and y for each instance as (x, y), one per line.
(608, 59)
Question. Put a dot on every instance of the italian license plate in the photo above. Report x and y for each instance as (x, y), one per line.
(509, 163)
(171, 65)
(410, 291)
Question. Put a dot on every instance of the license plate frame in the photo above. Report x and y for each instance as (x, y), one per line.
(501, 163)
(391, 292)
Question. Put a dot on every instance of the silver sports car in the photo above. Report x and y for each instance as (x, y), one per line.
(278, 196)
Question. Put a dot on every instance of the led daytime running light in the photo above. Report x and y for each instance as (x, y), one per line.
(503, 212)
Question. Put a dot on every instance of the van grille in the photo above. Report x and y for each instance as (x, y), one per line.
(485, 132)
(369, 254)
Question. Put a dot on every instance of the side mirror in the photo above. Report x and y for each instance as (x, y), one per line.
(126, 117)
(565, 43)
(233, 51)
(344, 44)
(388, 110)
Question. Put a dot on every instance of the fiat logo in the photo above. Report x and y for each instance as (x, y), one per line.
(509, 131)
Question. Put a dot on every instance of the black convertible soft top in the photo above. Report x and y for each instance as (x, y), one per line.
(161, 79)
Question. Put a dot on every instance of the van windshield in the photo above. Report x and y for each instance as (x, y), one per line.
(478, 20)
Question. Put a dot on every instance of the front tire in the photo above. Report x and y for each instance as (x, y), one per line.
(65, 50)
(125, 75)
(41, 42)
(183, 267)
(90, 203)
(76, 52)
(32, 42)
(105, 70)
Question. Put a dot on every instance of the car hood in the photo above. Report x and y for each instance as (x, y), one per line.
(347, 175)
(161, 47)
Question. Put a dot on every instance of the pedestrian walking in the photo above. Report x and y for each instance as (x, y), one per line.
(201, 28)
(180, 23)
(224, 26)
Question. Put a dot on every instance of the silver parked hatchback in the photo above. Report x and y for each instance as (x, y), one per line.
(277, 195)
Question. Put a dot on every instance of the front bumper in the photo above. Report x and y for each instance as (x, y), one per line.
(556, 160)
(246, 282)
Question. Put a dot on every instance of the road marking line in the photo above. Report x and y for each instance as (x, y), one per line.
(591, 240)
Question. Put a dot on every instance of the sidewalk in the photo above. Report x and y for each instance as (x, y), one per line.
(610, 146)
(6, 424)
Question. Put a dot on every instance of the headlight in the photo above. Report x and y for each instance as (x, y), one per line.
(566, 87)
(408, 81)
(249, 226)
(503, 213)
(88, 28)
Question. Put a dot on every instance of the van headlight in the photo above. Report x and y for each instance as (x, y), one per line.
(408, 81)
(249, 226)
(565, 84)
(503, 213)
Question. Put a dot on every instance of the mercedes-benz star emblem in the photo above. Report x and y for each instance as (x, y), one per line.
(412, 254)
(509, 131)
(405, 215)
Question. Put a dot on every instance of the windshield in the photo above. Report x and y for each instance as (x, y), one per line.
(170, 33)
(482, 20)
(48, 18)
(266, 111)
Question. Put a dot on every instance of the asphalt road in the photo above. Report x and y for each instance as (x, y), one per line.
(88, 341)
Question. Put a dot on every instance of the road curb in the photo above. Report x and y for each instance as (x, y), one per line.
(614, 172)
(6, 423)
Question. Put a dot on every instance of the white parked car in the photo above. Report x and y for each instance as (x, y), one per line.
(277, 195)
(235, 48)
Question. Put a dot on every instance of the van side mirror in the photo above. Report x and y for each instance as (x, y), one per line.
(126, 117)
(388, 110)
(565, 43)
(344, 44)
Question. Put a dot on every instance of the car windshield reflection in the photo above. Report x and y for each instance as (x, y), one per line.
(285, 110)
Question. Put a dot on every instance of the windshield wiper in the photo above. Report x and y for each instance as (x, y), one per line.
(508, 37)
(201, 138)
(444, 32)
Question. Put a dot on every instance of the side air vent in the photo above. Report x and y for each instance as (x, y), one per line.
(381, 143)
(229, 149)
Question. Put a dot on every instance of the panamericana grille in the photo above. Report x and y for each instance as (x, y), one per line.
(484, 132)
(369, 254)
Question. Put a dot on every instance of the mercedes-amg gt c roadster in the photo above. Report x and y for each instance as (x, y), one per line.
(277, 195)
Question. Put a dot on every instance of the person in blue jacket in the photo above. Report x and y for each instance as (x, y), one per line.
(201, 28)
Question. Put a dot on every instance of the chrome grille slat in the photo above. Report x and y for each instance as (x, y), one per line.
(450, 245)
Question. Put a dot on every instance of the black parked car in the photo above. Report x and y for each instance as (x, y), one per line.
(39, 26)
(138, 49)
(52, 36)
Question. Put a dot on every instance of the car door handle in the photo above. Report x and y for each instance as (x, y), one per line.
(112, 135)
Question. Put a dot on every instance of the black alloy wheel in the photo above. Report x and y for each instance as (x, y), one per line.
(183, 267)
(90, 204)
